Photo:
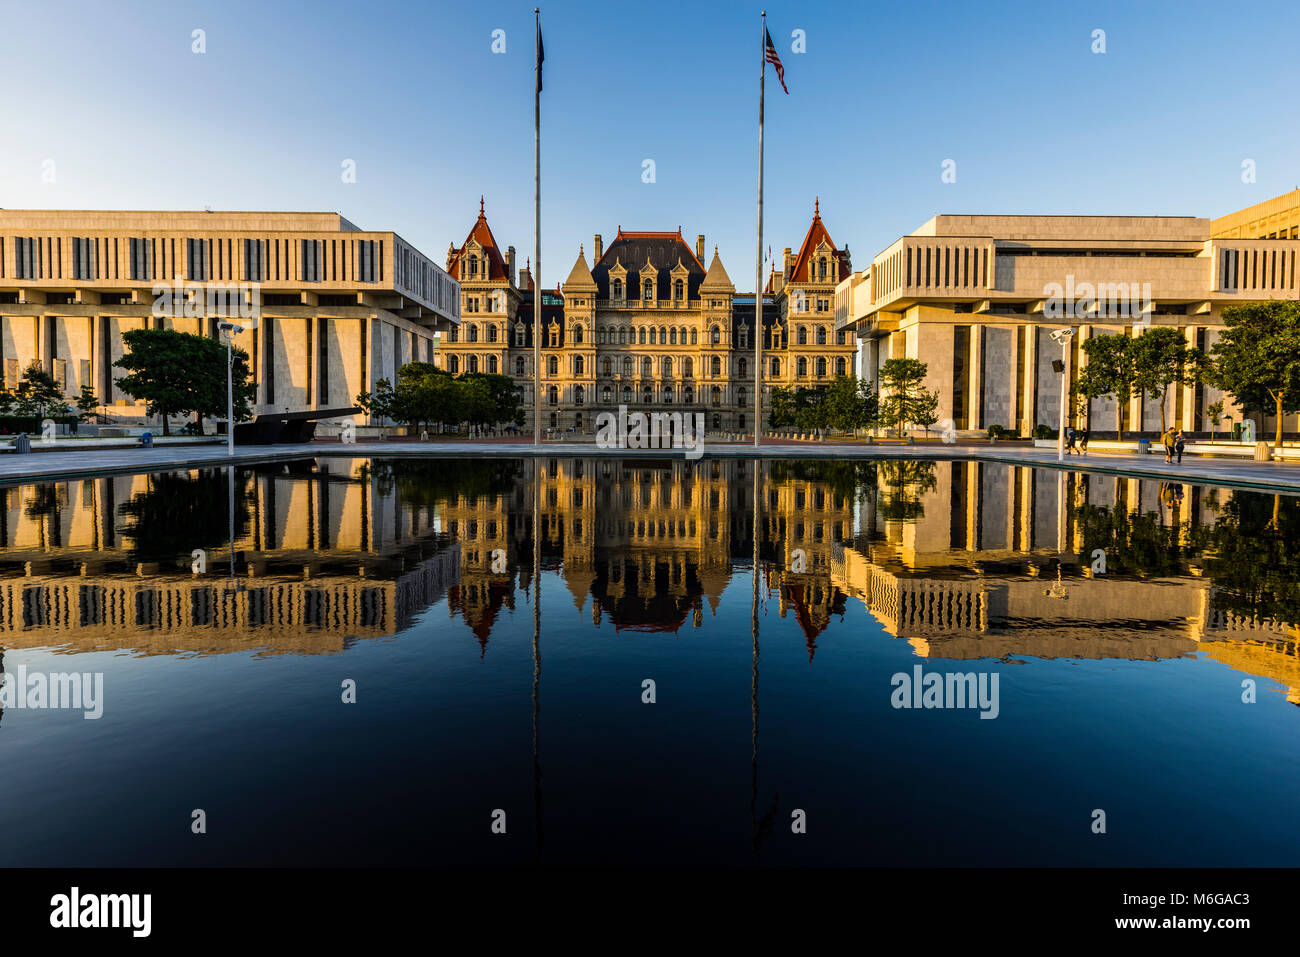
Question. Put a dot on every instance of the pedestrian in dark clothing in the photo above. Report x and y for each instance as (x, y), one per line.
(1083, 441)
(1180, 442)
(1069, 440)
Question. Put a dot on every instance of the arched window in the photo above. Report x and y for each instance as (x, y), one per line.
(716, 395)
(649, 289)
(688, 367)
(492, 332)
(577, 365)
(668, 367)
(647, 367)
(600, 336)
(473, 365)
(492, 365)
(821, 335)
(519, 365)
(802, 367)
(741, 396)
(455, 334)
(715, 366)
(715, 335)
(668, 394)
(653, 337)
(453, 365)
(642, 336)
(627, 394)
(678, 290)
(622, 337)
(578, 395)
(607, 366)
(776, 367)
(742, 367)
(577, 335)
(553, 395)
(802, 336)
(688, 395)
(672, 337)
(839, 366)
(606, 395)
(618, 289)
(663, 336)
(552, 365)
(821, 368)
(695, 337)
(627, 365)
(648, 397)
(555, 421)
(473, 332)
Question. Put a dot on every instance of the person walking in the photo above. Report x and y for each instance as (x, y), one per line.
(1069, 440)
(1180, 443)
(1083, 441)
(1167, 440)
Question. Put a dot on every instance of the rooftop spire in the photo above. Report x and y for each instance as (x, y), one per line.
(480, 205)
(817, 205)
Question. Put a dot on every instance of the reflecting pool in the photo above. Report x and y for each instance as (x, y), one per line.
(647, 662)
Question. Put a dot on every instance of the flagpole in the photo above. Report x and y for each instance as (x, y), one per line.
(758, 266)
(537, 239)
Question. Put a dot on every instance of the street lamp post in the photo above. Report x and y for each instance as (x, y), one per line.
(228, 330)
(1063, 336)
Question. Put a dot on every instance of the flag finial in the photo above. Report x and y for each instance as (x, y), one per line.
(817, 206)
(480, 205)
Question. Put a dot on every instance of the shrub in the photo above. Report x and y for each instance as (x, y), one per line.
(996, 431)
(1044, 432)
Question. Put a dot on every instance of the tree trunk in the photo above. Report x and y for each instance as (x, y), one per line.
(1119, 418)
(1278, 439)
(166, 424)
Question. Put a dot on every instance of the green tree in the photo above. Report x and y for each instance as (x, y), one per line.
(905, 396)
(1162, 358)
(851, 403)
(179, 373)
(811, 411)
(39, 395)
(780, 408)
(378, 404)
(87, 402)
(1257, 357)
(1110, 371)
(1215, 412)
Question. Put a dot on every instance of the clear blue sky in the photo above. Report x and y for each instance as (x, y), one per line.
(1036, 122)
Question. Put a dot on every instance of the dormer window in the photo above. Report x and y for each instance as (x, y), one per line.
(821, 268)
(678, 290)
(649, 290)
(618, 289)
(473, 267)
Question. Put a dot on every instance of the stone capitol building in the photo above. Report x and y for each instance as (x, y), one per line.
(648, 326)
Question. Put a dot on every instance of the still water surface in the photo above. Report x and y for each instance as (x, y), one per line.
(500, 620)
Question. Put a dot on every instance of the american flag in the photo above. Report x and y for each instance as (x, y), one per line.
(769, 54)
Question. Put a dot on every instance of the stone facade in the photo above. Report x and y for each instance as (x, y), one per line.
(647, 326)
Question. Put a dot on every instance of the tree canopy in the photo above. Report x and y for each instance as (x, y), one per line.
(179, 373)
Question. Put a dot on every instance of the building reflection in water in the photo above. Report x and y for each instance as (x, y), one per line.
(962, 560)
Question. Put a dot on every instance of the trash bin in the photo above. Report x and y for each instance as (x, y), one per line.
(1144, 446)
(22, 444)
(146, 439)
